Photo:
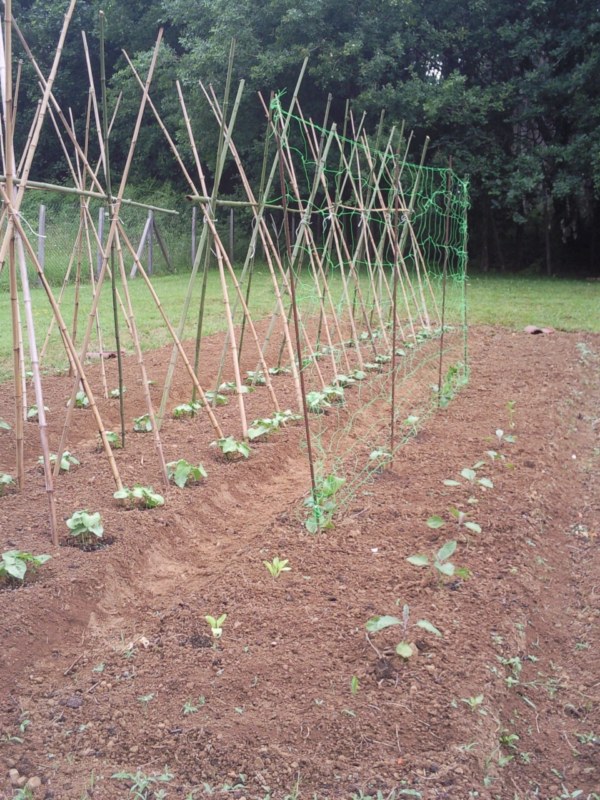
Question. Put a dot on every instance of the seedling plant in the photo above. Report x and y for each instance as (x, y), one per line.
(186, 409)
(81, 400)
(6, 481)
(142, 786)
(142, 424)
(85, 528)
(113, 439)
(439, 561)
(323, 504)
(67, 461)
(216, 625)
(406, 648)
(4, 426)
(182, 473)
(33, 413)
(139, 497)
(232, 448)
(14, 564)
(277, 566)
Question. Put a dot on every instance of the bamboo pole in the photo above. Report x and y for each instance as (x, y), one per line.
(270, 254)
(112, 231)
(9, 238)
(173, 334)
(114, 210)
(68, 343)
(445, 275)
(140, 360)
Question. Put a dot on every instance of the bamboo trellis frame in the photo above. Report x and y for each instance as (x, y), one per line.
(363, 186)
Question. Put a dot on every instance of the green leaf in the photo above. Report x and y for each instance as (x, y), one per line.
(404, 650)
(473, 526)
(418, 560)
(14, 564)
(446, 569)
(486, 482)
(311, 524)
(446, 550)
(435, 522)
(452, 483)
(4, 426)
(182, 473)
(376, 624)
(469, 474)
(427, 626)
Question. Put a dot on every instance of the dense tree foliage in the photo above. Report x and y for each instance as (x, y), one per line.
(509, 88)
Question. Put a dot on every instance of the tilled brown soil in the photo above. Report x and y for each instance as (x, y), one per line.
(108, 666)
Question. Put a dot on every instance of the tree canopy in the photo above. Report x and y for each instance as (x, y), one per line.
(509, 89)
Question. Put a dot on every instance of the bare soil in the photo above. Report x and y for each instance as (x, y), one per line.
(108, 666)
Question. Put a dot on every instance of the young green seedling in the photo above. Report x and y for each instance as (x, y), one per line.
(186, 409)
(405, 649)
(323, 505)
(232, 449)
(4, 426)
(380, 456)
(15, 563)
(85, 527)
(277, 566)
(510, 407)
(231, 386)
(183, 473)
(474, 703)
(142, 424)
(461, 519)
(81, 400)
(505, 437)
(279, 370)
(411, 422)
(114, 394)
(215, 399)
(439, 561)
(317, 402)
(256, 377)
(66, 462)
(344, 381)
(216, 625)
(6, 481)
(33, 413)
(112, 438)
(140, 497)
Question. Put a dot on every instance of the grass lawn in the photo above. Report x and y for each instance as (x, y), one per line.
(515, 302)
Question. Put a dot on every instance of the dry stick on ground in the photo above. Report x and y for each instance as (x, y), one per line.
(173, 334)
(110, 238)
(141, 364)
(270, 252)
(69, 344)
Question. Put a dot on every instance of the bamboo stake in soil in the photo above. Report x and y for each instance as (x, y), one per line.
(114, 209)
(69, 344)
(445, 275)
(141, 364)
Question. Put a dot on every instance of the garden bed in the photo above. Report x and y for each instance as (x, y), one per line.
(109, 667)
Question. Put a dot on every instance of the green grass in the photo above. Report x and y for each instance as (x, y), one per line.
(514, 302)
(567, 305)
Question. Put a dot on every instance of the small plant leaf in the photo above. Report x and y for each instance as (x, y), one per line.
(404, 650)
(435, 522)
(469, 474)
(427, 626)
(418, 560)
(486, 482)
(473, 526)
(446, 550)
(446, 569)
(376, 624)
(452, 483)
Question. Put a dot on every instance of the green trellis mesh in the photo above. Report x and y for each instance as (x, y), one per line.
(356, 208)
